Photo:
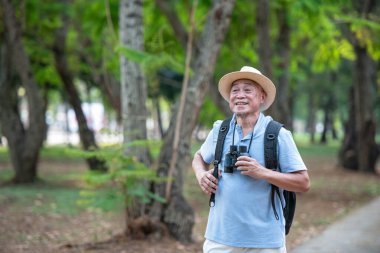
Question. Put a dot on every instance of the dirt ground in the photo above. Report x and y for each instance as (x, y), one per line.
(334, 193)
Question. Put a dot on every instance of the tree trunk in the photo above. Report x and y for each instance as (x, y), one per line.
(133, 84)
(86, 135)
(347, 153)
(283, 48)
(134, 93)
(359, 150)
(326, 124)
(364, 118)
(264, 50)
(177, 214)
(24, 142)
(311, 116)
(329, 107)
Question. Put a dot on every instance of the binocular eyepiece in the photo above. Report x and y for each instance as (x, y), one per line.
(231, 157)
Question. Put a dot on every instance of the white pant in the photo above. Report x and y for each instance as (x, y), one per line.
(214, 247)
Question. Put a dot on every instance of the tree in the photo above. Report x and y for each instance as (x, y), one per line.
(86, 135)
(24, 141)
(359, 150)
(94, 48)
(177, 214)
(264, 44)
(283, 50)
(133, 92)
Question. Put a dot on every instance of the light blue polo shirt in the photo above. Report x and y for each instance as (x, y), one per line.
(243, 214)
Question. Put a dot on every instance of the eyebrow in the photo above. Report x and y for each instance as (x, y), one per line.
(245, 82)
(253, 83)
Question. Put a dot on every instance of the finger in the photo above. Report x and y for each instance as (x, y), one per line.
(207, 185)
(243, 168)
(243, 164)
(204, 189)
(211, 186)
(244, 158)
(211, 178)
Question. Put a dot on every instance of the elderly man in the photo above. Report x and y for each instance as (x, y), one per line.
(242, 219)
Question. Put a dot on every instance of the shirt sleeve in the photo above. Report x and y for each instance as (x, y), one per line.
(290, 159)
(208, 147)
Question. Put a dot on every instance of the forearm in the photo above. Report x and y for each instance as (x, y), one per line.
(206, 180)
(199, 166)
(296, 181)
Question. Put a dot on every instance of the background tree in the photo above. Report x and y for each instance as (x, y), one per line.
(177, 214)
(133, 85)
(87, 136)
(24, 140)
(359, 150)
(133, 92)
(283, 50)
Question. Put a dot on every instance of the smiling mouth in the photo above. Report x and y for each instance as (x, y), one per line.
(241, 103)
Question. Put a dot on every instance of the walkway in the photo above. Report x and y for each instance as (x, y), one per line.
(359, 232)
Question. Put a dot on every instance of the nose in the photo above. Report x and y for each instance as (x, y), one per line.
(240, 94)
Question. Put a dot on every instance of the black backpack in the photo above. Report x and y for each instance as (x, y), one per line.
(271, 162)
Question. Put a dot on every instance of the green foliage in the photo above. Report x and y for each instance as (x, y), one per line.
(125, 177)
(329, 54)
(150, 62)
(41, 20)
(209, 113)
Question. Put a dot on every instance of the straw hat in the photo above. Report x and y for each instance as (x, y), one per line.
(246, 72)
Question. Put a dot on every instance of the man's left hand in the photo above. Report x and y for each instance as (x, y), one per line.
(250, 167)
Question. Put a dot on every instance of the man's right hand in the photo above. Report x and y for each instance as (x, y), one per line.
(207, 181)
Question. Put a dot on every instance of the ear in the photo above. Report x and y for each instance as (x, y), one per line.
(263, 96)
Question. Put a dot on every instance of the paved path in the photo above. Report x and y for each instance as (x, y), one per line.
(359, 232)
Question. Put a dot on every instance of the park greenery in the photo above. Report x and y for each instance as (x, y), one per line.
(161, 61)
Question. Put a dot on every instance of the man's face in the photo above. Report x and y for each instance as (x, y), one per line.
(246, 97)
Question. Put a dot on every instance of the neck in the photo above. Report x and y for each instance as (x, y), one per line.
(247, 121)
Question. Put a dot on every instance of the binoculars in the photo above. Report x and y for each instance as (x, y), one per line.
(231, 157)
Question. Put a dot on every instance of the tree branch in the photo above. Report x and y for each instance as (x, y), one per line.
(174, 21)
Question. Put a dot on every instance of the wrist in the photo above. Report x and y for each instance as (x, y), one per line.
(267, 174)
(199, 174)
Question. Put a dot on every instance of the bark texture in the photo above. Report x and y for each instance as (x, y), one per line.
(133, 83)
(134, 95)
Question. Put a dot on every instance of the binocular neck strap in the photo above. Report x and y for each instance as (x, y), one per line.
(233, 133)
(233, 137)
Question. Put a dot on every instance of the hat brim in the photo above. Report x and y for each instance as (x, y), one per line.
(225, 85)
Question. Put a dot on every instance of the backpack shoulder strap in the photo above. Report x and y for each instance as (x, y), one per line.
(270, 155)
(223, 130)
(270, 144)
